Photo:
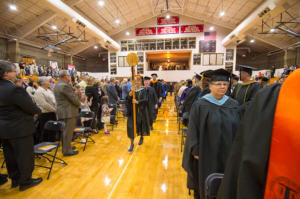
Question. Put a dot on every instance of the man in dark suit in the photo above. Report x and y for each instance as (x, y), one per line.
(17, 111)
(112, 93)
(67, 110)
(117, 86)
(24, 82)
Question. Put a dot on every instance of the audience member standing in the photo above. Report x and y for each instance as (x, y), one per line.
(83, 82)
(112, 93)
(22, 69)
(117, 86)
(25, 84)
(90, 91)
(51, 84)
(105, 86)
(31, 89)
(125, 92)
(273, 69)
(67, 110)
(45, 100)
(129, 83)
(16, 123)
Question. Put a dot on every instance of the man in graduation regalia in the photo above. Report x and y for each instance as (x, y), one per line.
(264, 158)
(245, 92)
(157, 87)
(152, 101)
(193, 94)
(210, 138)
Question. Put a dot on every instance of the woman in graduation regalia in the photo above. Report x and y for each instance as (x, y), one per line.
(142, 115)
(214, 120)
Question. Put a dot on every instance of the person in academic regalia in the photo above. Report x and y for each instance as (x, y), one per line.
(152, 101)
(264, 81)
(246, 91)
(189, 84)
(264, 159)
(204, 83)
(157, 87)
(192, 95)
(142, 114)
(210, 138)
(234, 82)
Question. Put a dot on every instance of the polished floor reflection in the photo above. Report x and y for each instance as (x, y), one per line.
(107, 170)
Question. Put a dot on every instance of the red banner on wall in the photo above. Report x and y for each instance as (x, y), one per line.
(145, 31)
(168, 30)
(192, 29)
(165, 21)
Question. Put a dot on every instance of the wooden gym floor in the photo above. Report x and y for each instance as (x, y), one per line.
(107, 170)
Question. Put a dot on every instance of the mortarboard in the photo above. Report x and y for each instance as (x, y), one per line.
(264, 79)
(154, 74)
(147, 78)
(198, 76)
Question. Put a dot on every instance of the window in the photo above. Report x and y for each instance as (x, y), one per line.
(213, 59)
(122, 61)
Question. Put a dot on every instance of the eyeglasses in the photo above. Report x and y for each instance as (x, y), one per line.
(221, 84)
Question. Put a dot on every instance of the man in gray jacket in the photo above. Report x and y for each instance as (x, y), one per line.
(67, 110)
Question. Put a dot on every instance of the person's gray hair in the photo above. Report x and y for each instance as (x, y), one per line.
(125, 80)
(112, 79)
(6, 66)
(42, 80)
(63, 73)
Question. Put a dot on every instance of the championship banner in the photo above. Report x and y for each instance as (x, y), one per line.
(145, 31)
(192, 29)
(168, 30)
(29, 60)
(165, 21)
(70, 67)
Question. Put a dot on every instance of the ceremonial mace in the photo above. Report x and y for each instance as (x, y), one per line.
(132, 59)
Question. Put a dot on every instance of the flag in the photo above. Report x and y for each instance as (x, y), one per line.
(210, 35)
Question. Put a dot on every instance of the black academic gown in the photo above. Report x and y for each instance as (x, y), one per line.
(142, 115)
(210, 138)
(190, 98)
(246, 171)
(152, 101)
(244, 93)
(158, 89)
(205, 92)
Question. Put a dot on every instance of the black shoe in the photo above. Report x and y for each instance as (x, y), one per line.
(14, 183)
(71, 154)
(3, 175)
(141, 141)
(73, 147)
(33, 183)
(131, 148)
(3, 180)
(151, 128)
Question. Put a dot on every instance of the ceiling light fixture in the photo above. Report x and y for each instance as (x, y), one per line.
(95, 47)
(12, 7)
(127, 33)
(252, 40)
(211, 28)
(244, 55)
(117, 20)
(101, 3)
(272, 30)
(168, 16)
(54, 27)
(222, 13)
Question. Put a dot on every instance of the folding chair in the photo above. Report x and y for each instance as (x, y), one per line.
(80, 129)
(185, 116)
(42, 149)
(121, 110)
(113, 115)
(212, 185)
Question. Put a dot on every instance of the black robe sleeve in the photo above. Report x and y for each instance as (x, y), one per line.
(190, 98)
(246, 170)
(204, 92)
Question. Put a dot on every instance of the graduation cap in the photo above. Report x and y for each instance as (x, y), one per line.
(221, 75)
(247, 69)
(264, 79)
(154, 74)
(189, 82)
(205, 72)
(235, 78)
(198, 76)
(147, 78)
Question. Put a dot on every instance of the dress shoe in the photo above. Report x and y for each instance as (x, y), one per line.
(33, 183)
(71, 154)
(3, 175)
(73, 147)
(151, 128)
(14, 183)
(141, 141)
(3, 180)
(131, 148)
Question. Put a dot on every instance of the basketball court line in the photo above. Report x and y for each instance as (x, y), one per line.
(122, 174)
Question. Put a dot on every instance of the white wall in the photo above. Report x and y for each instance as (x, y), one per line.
(172, 75)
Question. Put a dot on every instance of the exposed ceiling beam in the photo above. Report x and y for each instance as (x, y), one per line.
(132, 23)
(82, 47)
(207, 19)
(32, 25)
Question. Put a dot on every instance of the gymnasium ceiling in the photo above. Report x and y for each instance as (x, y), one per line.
(134, 12)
